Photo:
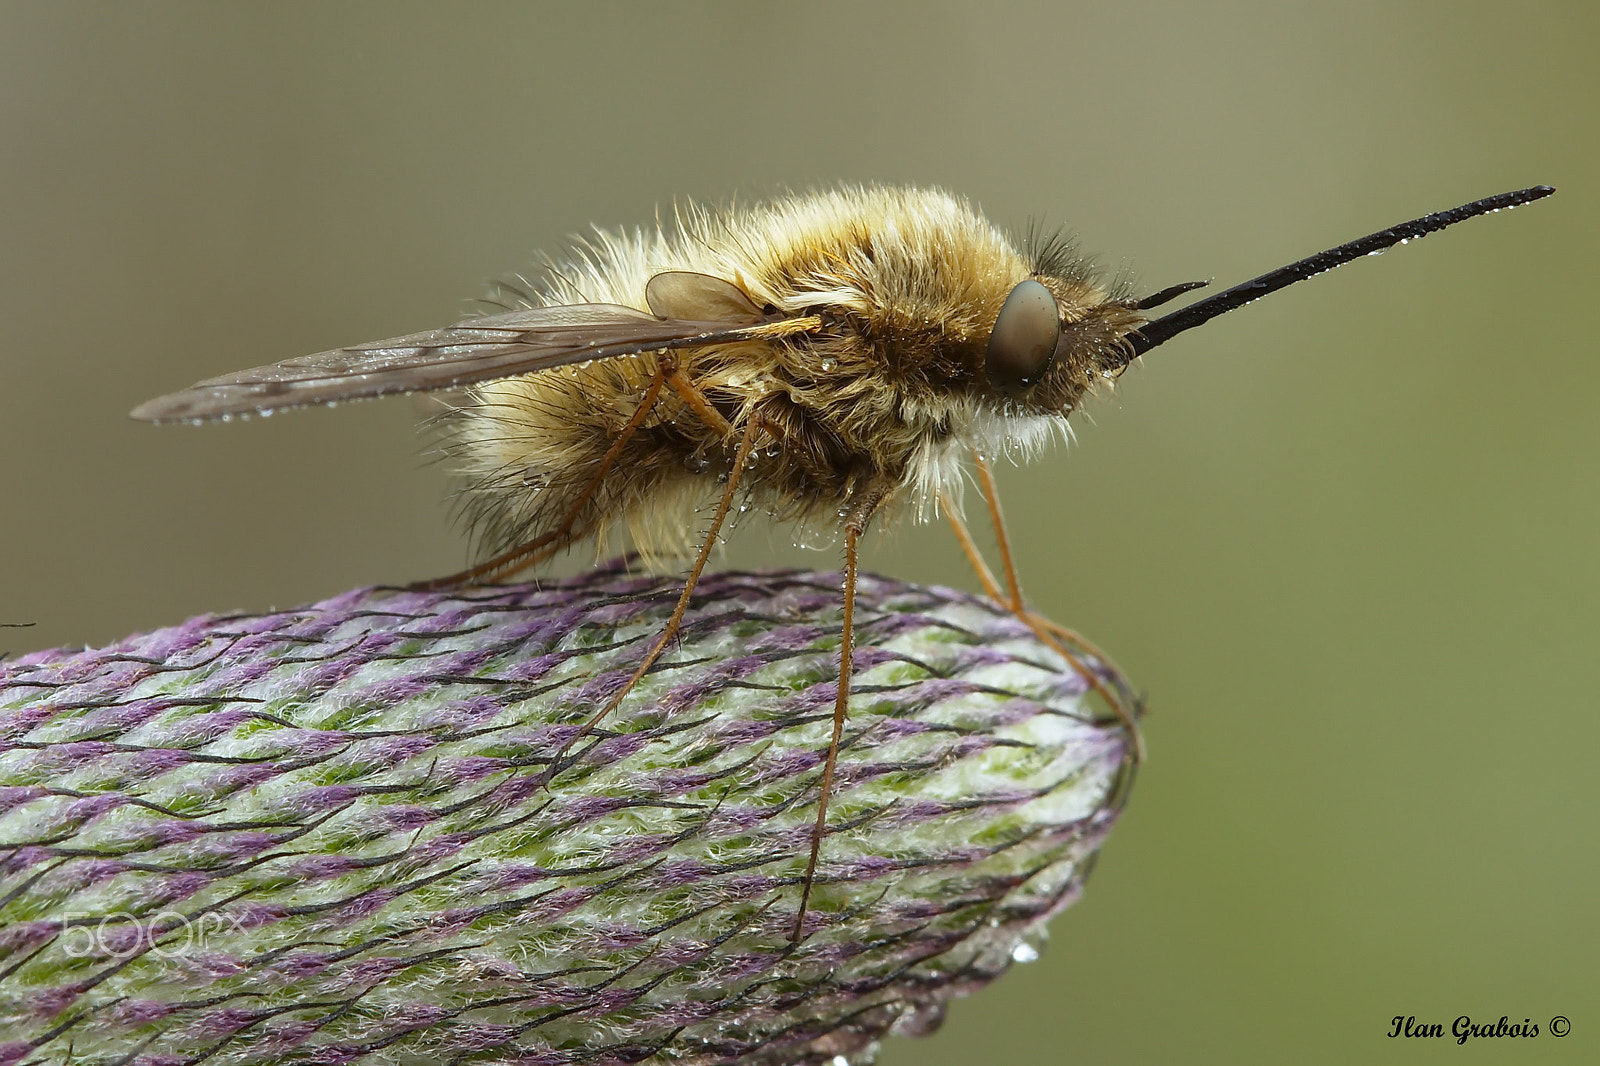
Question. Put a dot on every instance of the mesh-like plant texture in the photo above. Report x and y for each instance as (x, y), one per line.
(320, 835)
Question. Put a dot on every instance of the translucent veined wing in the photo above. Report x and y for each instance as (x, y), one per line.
(482, 349)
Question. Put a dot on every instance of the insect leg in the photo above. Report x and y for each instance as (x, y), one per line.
(1034, 619)
(697, 402)
(546, 544)
(855, 524)
(740, 458)
(970, 547)
(991, 497)
(1125, 704)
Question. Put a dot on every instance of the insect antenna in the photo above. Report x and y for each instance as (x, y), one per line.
(1168, 326)
(1171, 292)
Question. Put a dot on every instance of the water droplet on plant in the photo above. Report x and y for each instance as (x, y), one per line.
(922, 1019)
(1030, 944)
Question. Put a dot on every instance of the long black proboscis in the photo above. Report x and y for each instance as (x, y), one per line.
(1168, 326)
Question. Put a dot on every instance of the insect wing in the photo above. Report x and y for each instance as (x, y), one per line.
(477, 349)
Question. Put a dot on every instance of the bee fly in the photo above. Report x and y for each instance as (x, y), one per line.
(832, 356)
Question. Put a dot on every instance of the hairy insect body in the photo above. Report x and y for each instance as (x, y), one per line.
(828, 356)
(889, 396)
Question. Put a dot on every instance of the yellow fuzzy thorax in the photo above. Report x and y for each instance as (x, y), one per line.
(812, 249)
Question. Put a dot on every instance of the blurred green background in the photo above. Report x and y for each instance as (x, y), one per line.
(1346, 538)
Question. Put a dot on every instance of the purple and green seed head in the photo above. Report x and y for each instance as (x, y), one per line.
(322, 836)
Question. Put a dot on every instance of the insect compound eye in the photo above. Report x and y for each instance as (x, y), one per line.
(1023, 344)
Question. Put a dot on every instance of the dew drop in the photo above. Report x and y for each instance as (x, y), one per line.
(1030, 944)
(919, 1020)
(815, 537)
